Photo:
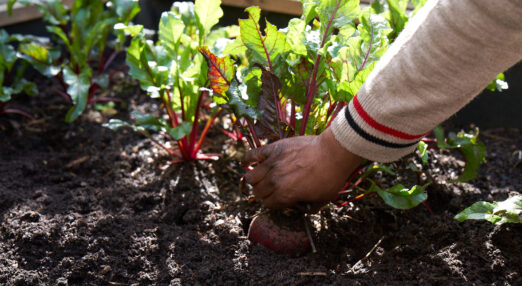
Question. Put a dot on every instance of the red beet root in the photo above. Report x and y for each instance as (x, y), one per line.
(280, 232)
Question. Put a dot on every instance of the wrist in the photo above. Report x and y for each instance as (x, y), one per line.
(336, 153)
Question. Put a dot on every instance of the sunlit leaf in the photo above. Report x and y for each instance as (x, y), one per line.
(423, 147)
(508, 211)
(78, 89)
(265, 49)
(220, 72)
(401, 197)
(170, 31)
(208, 13)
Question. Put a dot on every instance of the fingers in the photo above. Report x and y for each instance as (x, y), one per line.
(256, 155)
(264, 188)
(261, 154)
(257, 174)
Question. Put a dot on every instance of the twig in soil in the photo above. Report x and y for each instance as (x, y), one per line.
(354, 219)
(367, 254)
(77, 161)
(312, 273)
(309, 233)
(487, 133)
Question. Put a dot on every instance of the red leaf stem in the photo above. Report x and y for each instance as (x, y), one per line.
(109, 60)
(17, 111)
(311, 87)
(253, 132)
(204, 133)
(66, 96)
(105, 99)
(195, 123)
(369, 48)
(335, 112)
(174, 122)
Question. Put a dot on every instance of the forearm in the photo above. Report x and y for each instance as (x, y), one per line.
(445, 56)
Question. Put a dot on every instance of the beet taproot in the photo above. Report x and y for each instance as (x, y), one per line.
(280, 231)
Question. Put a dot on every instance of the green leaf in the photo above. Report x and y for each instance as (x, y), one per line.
(138, 63)
(508, 211)
(400, 197)
(7, 52)
(53, 10)
(265, 49)
(296, 36)
(397, 16)
(208, 13)
(126, 9)
(78, 89)
(474, 152)
(360, 78)
(475, 156)
(498, 84)
(309, 10)
(417, 4)
(180, 131)
(149, 122)
(423, 147)
(478, 210)
(337, 14)
(41, 58)
(131, 30)
(170, 30)
(186, 11)
(115, 124)
(238, 105)
(235, 48)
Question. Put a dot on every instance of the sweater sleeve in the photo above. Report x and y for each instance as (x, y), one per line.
(449, 51)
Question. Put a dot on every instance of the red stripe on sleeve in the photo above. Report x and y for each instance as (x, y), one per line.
(384, 129)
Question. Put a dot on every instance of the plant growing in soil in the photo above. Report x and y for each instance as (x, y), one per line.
(295, 81)
(173, 70)
(81, 57)
(507, 211)
(12, 69)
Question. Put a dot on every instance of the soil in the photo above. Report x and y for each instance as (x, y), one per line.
(84, 205)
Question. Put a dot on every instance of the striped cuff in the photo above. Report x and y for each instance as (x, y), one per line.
(360, 134)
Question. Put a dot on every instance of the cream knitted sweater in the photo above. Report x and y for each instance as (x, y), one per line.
(449, 51)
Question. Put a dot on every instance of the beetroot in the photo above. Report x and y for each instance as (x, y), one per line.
(280, 231)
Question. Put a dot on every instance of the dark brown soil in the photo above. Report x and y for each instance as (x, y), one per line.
(83, 205)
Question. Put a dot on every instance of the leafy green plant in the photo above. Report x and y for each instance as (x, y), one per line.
(82, 35)
(508, 211)
(12, 69)
(294, 81)
(173, 70)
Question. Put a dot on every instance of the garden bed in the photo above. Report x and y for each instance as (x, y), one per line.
(82, 204)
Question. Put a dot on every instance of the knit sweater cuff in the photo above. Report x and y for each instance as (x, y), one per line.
(363, 136)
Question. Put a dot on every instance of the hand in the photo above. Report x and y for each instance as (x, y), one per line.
(310, 169)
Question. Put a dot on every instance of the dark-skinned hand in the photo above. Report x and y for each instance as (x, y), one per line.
(304, 169)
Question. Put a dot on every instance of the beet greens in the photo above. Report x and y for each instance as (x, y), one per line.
(294, 81)
(81, 35)
(173, 71)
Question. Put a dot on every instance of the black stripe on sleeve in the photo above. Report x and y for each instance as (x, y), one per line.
(370, 137)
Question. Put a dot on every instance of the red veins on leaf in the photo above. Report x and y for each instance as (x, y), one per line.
(220, 71)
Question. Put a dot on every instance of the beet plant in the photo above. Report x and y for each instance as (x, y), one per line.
(81, 55)
(12, 69)
(173, 71)
(507, 211)
(295, 80)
